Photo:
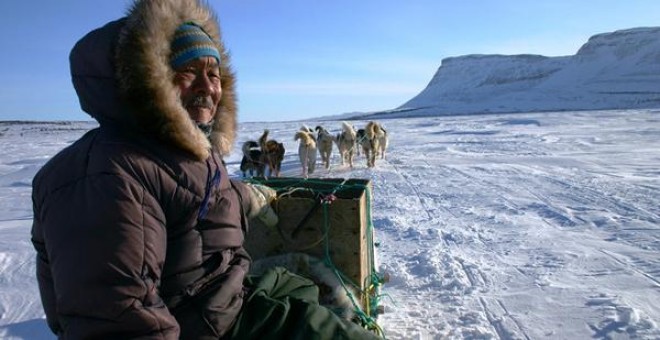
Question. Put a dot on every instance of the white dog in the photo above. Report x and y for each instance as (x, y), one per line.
(306, 129)
(346, 143)
(324, 141)
(383, 142)
(306, 151)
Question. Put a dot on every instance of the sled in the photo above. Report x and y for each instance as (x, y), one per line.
(327, 219)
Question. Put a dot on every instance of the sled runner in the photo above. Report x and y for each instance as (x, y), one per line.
(326, 222)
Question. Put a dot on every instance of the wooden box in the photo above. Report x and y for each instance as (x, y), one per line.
(324, 218)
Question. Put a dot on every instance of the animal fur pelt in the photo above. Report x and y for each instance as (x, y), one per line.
(306, 152)
(252, 160)
(324, 141)
(332, 294)
(272, 154)
(345, 141)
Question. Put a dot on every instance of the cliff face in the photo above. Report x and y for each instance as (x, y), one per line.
(618, 70)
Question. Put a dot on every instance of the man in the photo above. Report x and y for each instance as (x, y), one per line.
(138, 228)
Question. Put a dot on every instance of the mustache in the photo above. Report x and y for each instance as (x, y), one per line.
(199, 101)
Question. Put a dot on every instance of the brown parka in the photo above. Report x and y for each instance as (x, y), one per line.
(137, 226)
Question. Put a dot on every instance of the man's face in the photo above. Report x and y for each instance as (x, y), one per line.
(201, 91)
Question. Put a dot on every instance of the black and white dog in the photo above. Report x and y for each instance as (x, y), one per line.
(252, 159)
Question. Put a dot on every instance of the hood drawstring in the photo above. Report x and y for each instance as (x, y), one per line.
(212, 181)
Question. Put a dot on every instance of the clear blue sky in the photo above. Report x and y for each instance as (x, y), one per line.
(298, 59)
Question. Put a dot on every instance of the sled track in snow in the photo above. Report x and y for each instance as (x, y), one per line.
(420, 197)
(484, 184)
(632, 267)
(506, 326)
(457, 295)
(552, 209)
(474, 275)
(606, 199)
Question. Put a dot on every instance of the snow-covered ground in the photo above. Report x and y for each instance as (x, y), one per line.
(525, 226)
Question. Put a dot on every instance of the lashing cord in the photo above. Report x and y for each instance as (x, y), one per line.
(373, 282)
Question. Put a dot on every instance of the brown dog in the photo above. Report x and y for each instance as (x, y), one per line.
(272, 154)
(374, 141)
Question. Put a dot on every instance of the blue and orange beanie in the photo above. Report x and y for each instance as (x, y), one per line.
(191, 42)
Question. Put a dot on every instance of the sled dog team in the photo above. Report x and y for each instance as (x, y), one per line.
(264, 157)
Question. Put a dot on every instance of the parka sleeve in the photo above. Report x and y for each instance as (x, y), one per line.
(243, 195)
(104, 250)
(44, 277)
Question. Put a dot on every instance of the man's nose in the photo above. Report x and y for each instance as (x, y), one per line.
(203, 84)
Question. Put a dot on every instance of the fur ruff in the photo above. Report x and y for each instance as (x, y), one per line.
(145, 76)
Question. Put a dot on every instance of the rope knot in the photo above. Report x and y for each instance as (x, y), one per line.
(327, 199)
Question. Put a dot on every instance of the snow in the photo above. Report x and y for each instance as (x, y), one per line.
(615, 70)
(500, 226)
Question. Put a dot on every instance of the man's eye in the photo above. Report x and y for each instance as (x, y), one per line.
(185, 73)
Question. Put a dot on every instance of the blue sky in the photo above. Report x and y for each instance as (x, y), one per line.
(298, 59)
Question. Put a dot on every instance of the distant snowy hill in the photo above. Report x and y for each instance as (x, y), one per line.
(618, 70)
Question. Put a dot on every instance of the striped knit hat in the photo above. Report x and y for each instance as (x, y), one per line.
(191, 42)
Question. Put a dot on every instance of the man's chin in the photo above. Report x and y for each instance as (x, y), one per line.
(200, 114)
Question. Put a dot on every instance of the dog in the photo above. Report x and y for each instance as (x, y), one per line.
(252, 160)
(306, 129)
(361, 137)
(383, 142)
(345, 141)
(375, 141)
(306, 151)
(324, 141)
(272, 154)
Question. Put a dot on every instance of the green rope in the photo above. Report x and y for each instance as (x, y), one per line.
(329, 263)
(364, 318)
(374, 280)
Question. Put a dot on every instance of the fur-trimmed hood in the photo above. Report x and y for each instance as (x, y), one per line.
(122, 75)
